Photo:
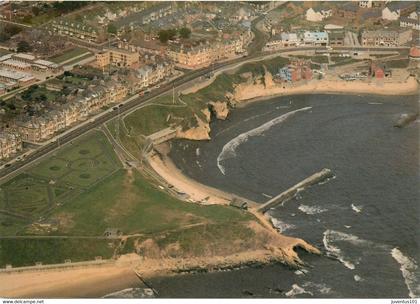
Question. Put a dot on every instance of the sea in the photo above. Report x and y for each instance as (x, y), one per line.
(365, 219)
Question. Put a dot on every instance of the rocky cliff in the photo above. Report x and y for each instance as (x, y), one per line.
(199, 132)
(220, 109)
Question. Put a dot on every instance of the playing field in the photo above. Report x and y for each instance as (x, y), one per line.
(76, 194)
(57, 178)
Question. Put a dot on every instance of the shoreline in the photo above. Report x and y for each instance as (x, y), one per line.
(97, 281)
(245, 93)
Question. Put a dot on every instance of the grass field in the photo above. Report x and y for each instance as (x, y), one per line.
(55, 180)
(27, 252)
(67, 55)
(81, 190)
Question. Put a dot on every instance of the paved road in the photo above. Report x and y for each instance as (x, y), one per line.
(17, 167)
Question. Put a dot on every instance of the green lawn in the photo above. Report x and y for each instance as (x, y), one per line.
(129, 202)
(79, 59)
(27, 252)
(56, 180)
(67, 55)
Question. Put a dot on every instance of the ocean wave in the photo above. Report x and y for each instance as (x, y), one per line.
(358, 278)
(321, 288)
(357, 209)
(280, 225)
(229, 149)
(408, 269)
(131, 293)
(331, 236)
(297, 290)
(311, 210)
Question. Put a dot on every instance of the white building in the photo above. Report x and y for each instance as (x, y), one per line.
(316, 16)
(365, 4)
(389, 14)
(315, 38)
(395, 10)
(413, 23)
(282, 40)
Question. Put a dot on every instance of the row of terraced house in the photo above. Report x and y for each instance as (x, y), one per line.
(39, 128)
(204, 54)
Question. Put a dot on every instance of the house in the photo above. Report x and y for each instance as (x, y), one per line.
(317, 15)
(149, 75)
(204, 54)
(116, 57)
(16, 77)
(10, 144)
(379, 71)
(282, 40)
(296, 71)
(394, 10)
(77, 30)
(315, 38)
(412, 21)
(415, 53)
(365, 4)
(336, 37)
(388, 38)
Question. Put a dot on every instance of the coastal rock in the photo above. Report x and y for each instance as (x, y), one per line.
(199, 132)
(220, 109)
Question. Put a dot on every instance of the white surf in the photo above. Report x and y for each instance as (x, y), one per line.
(229, 149)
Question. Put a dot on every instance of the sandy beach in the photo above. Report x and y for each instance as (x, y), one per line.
(196, 191)
(95, 282)
(246, 92)
(91, 282)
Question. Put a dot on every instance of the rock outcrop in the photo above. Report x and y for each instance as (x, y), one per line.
(199, 132)
(220, 109)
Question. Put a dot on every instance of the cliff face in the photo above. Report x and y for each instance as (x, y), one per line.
(220, 109)
(199, 132)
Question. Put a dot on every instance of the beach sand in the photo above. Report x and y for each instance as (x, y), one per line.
(89, 282)
(247, 92)
(196, 191)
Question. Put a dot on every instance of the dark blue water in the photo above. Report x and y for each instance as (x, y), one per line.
(365, 219)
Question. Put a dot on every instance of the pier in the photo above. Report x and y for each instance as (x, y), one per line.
(291, 192)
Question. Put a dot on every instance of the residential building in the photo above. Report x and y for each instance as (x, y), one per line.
(315, 38)
(27, 63)
(388, 38)
(10, 144)
(41, 127)
(76, 29)
(117, 57)
(296, 71)
(282, 40)
(412, 21)
(16, 77)
(336, 37)
(365, 4)
(149, 75)
(394, 10)
(317, 15)
(202, 55)
(146, 16)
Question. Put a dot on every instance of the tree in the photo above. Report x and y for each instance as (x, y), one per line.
(112, 28)
(185, 32)
(165, 35)
(23, 46)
